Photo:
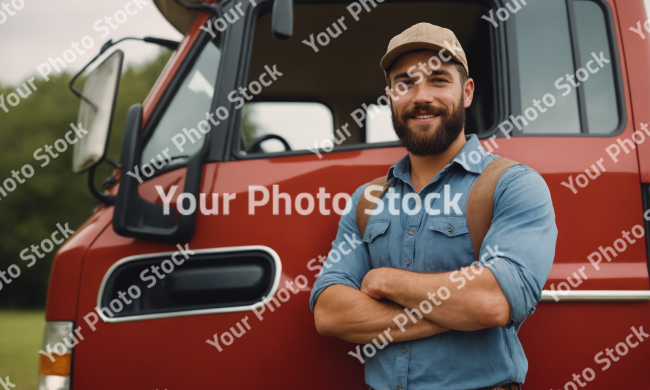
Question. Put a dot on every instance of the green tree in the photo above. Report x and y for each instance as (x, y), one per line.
(54, 194)
(250, 129)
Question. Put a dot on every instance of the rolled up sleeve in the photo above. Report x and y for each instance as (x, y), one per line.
(520, 246)
(348, 261)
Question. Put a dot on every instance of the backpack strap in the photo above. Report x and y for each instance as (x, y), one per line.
(480, 202)
(366, 204)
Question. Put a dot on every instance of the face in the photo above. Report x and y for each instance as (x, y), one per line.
(428, 110)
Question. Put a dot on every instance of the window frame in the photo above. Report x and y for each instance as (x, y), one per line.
(515, 89)
(170, 93)
(500, 92)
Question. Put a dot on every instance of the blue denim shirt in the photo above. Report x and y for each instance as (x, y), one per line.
(518, 249)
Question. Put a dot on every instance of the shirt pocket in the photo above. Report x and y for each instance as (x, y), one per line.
(447, 245)
(376, 237)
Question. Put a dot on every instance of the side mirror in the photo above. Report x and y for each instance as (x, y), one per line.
(138, 218)
(96, 112)
(282, 19)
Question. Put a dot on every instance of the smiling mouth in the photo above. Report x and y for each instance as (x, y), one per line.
(424, 119)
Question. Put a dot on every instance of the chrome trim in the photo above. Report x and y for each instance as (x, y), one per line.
(596, 296)
(274, 287)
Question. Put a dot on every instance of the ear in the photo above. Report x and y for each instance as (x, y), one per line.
(468, 92)
(390, 99)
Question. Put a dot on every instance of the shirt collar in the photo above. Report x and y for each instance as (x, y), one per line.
(466, 158)
(468, 155)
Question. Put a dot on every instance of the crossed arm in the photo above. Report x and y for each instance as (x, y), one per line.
(523, 209)
(360, 315)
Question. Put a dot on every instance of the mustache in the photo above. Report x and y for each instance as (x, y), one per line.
(424, 110)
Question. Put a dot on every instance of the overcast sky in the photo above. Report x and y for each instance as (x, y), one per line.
(46, 28)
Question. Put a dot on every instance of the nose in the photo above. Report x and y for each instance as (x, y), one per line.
(423, 94)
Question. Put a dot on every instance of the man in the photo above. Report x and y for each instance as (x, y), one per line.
(430, 316)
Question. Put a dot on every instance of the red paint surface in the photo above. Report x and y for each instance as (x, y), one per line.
(63, 288)
(637, 53)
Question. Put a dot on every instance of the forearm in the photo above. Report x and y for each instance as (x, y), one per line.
(353, 316)
(479, 303)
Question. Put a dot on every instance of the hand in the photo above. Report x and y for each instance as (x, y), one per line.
(374, 282)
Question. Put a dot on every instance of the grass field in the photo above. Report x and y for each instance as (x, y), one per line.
(20, 341)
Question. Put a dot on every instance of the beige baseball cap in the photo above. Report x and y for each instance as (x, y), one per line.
(424, 36)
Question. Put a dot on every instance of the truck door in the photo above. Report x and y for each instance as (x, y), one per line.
(141, 338)
(584, 147)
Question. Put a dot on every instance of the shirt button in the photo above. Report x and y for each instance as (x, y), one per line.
(403, 350)
(369, 235)
(411, 232)
(449, 229)
(408, 262)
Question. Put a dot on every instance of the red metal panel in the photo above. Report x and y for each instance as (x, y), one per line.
(63, 288)
(562, 339)
(286, 339)
(637, 53)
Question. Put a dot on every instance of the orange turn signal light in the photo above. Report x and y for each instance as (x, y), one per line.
(60, 366)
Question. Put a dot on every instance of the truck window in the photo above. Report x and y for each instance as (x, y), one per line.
(188, 106)
(549, 62)
(600, 90)
(288, 120)
(379, 125)
(340, 70)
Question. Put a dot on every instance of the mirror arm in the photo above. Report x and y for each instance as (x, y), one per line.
(172, 45)
(74, 78)
(112, 162)
(107, 200)
(105, 47)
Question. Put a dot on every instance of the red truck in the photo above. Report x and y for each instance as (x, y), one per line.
(236, 168)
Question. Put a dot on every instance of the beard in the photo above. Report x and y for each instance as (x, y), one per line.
(419, 140)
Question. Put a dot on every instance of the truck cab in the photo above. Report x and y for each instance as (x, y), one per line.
(197, 266)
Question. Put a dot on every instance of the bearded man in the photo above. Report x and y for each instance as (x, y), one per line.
(433, 309)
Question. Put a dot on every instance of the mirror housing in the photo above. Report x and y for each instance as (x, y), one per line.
(139, 218)
(96, 112)
(282, 19)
